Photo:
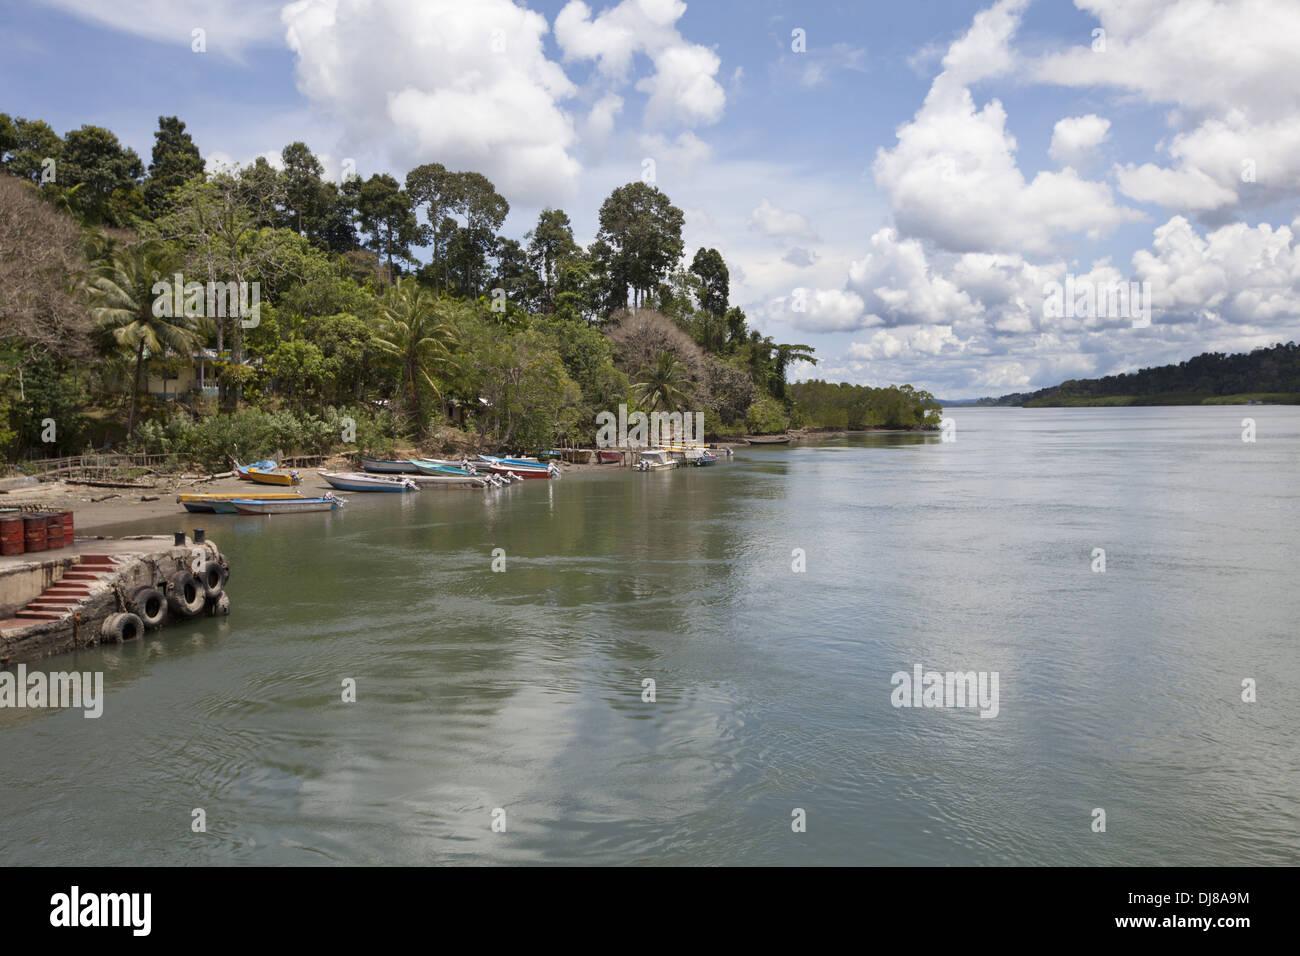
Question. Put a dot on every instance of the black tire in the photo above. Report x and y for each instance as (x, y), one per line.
(225, 568)
(150, 605)
(121, 627)
(185, 595)
(218, 606)
(212, 579)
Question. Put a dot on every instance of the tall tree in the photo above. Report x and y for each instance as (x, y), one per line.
(303, 192)
(550, 244)
(485, 210)
(175, 161)
(642, 234)
(438, 191)
(715, 281)
(384, 209)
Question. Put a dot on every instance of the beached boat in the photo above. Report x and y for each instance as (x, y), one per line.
(284, 479)
(385, 466)
(222, 503)
(655, 461)
(360, 481)
(243, 471)
(768, 439)
(609, 457)
(281, 506)
(440, 466)
(524, 462)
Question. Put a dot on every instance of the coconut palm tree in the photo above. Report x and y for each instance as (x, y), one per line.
(411, 328)
(663, 384)
(120, 292)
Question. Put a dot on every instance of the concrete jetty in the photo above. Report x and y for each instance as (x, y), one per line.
(103, 590)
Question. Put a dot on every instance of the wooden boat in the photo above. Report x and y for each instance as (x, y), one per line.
(280, 506)
(221, 503)
(243, 471)
(359, 481)
(768, 439)
(609, 457)
(385, 466)
(280, 478)
(655, 461)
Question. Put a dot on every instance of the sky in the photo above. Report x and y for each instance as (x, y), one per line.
(904, 186)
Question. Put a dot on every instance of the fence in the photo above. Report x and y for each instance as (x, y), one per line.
(96, 467)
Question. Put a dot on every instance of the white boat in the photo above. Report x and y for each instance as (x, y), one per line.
(360, 481)
(655, 461)
(472, 481)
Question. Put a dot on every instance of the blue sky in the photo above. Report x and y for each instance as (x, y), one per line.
(899, 195)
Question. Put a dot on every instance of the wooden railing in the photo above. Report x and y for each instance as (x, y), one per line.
(96, 467)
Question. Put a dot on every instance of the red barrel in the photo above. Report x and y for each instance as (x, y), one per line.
(35, 535)
(53, 532)
(11, 535)
(67, 529)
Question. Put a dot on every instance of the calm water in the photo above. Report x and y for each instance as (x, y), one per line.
(522, 690)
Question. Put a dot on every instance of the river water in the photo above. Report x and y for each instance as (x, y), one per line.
(518, 696)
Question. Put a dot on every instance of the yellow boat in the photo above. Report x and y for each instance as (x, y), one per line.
(221, 503)
(274, 477)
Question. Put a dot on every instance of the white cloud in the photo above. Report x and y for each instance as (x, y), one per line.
(230, 27)
(771, 221)
(467, 85)
(952, 177)
(896, 283)
(1074, 139)
(683, 89)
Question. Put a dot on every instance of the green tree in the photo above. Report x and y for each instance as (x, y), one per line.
(304, 192)
(175, 161)
(412, 331)
(26, 144)
(663, 385)
(641, 240)
(385, 211)
(110, 175)
(550, 246)
(715, 281)
(120, 291)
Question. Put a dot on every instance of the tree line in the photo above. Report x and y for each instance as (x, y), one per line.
(1265, 374)
(395, 304)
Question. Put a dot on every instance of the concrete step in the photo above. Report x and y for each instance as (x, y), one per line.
(40, 615)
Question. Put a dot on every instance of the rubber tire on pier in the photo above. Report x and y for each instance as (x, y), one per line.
(121, 627)
(212, 579)
(218, 606)
(225, 568)
(150, 606)
(185, 595)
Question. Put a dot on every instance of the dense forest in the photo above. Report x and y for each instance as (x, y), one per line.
(370, 311)
(1266, 375)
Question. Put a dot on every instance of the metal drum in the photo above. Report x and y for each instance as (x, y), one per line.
(35, 534)
(11, 535)
(53, 532)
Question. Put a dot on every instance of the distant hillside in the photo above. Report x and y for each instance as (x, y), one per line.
(1265, 375)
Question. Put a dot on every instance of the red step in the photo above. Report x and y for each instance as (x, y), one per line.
(40, 615)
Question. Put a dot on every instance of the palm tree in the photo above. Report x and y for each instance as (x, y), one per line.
(665, 384)
(120, 292)
(411, 329)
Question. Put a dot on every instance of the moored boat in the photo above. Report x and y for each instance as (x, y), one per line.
(280, 506)
(244, 471)
(386, 466)
(656, 460)
(524, 471)
(768, 439)
(472, 481)
(360, 481)
(220, 503)
(278, 478)
(609, 457)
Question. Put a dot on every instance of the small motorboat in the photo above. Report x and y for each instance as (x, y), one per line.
(281, 506)
(360, 481)
(472, 481)
(243, 471)
(386, 466)
(280, 478)
(513, 471)
(655, 461)
(223, 503)
(768, 439)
